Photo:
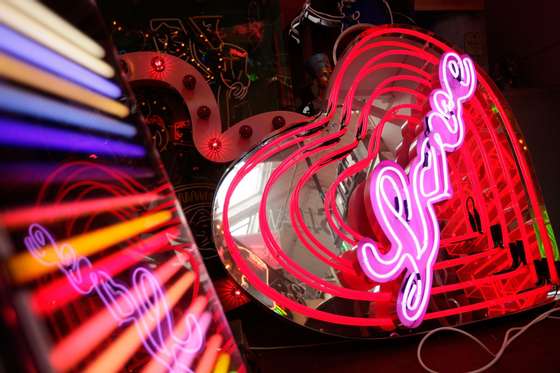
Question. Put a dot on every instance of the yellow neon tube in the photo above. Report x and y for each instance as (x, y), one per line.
(27, 26)
(24, 267)
(222, 364)
(23, 73)
(115, 356)
(54, 22)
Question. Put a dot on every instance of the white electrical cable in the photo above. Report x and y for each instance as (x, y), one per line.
(390, 11)
(344, 33)
(508, 338)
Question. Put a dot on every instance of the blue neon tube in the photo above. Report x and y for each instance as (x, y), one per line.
(20, 47)
(20, 134)
(19, 101)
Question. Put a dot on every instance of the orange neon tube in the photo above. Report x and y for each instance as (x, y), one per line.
(22, 23)
(195, 309)
(24, 267)
(21, 72)
(115, 356)
(76, 346)
(52, 213)
(208, 358)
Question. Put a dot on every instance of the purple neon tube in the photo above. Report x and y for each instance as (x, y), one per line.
(20, 134)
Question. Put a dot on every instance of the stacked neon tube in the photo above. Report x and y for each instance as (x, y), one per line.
(100, 271)
(494, 253)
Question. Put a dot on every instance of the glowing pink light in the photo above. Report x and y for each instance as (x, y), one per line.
(136, 305)
(403, 204)
(158, 64)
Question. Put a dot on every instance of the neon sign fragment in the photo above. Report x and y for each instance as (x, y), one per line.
(403, 204)
(144, 301)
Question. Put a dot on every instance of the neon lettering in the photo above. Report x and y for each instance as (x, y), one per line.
(403, 204)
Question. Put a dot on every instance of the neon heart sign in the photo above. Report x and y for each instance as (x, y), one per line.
(404, 205)
(415, 167)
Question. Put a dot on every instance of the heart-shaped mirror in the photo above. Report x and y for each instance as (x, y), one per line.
(296, 222)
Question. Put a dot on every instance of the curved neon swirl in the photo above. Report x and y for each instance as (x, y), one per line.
(403, 204)
(143, 302)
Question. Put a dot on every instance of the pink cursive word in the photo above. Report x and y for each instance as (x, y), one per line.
(143, 303)
(403, 204)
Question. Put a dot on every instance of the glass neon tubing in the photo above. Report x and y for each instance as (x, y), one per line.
(20, 134)
(57, 293)
(520, 156)
(487, 304)
(263, 222)
(21, 22)
(24, 267)
(475, 179)
(231, 244)
(209, 356)
(331, 191)
(509, 181)
(409, 51)
(74, 347)
(22, 102)
(329, 200)
(19, 46)
(294, 158)
(253, 278)
(119, 351)
(23, 172)
(21, 72)
(294, 211)
(477, 281)
(358, 167)
(196, 309)
(222, 363)
(57, 24)
(55, 212)
(294, 268)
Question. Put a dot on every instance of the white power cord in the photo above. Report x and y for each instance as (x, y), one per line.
(390, 11)
(510, 336)
(349, 30)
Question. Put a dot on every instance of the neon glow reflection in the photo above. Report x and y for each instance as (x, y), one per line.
(143, 302)
(403, 204)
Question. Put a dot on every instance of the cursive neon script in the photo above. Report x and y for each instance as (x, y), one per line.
(143, 303)
(403, 204)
